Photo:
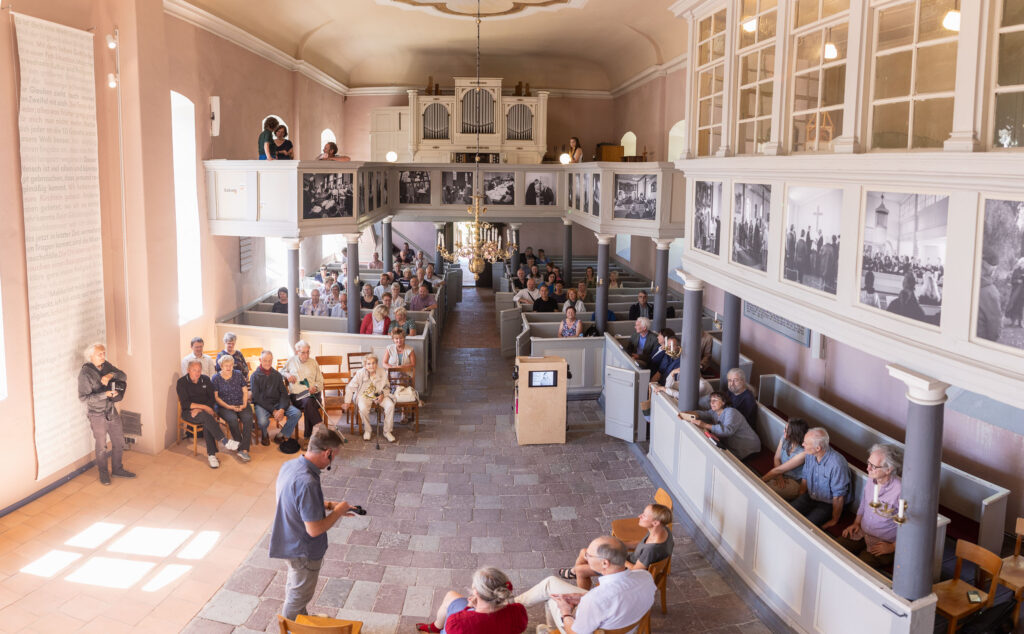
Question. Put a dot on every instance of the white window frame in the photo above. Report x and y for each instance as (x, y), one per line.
(996, 89)
(710, 66)
(759, 48)
(823, 26)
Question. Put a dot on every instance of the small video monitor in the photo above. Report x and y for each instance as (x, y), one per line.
(543, 378)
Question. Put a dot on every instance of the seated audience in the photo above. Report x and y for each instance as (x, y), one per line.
(570, 326)
(667, 361)
(613, 281)
(397, 297)
(825, 486)
(313, 305)
(423, 300)
(321, 275)
(622, 599)
(663, 336)
(407, 280)
(740, 396)
(334, 297)
(383, 287)
(421, 275)
(398, 357)
(559, 292)
(231, 393)
(671, 388)
(402, 321)
(489, 608)
(591, 279)
(641, 308)
(643, 343)
(305, 384)
(729, 426)
(656, 546)
(195, 395)
(545, 303)
(377, 322)
(582, 292)
(558, 274)
(524, 299)
(375, 262)
(572, 299)
(707, 345)
(388, 306)
(367, 299)
(785, 477)
(542, 259)
(330, 153)
(325, 288)
(519, 281)
(536, 275)
(370, 386)
(197, 354)
(432, 277)
(270, 399)
(872, 537)
(407, 254)
(340, 307)
(609, 316)
(281, 305)
(230, 350)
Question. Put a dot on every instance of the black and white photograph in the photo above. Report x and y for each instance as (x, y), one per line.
(456, 188)
(636, 196)
(380, 176)
(499, 188)
(569, 189)
(540, 188)
(904, 254)
(385, 189)
(1001, 288)
(576, 189)
(596, 195)
(414, 188)
(813, 216)
(586, 193)
(750, 219)
(370, 179)
(326, 196)
(361, 193)
(707, 216)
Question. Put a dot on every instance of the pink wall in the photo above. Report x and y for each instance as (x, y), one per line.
(550, 236)
(649, 111)
(356, 141)
(588, 119)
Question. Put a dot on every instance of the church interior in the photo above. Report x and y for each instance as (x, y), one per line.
(743, 277)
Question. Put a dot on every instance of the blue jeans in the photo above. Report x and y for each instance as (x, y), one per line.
(291, 413)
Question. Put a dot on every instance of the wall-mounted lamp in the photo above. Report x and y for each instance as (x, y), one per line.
(111, 42)
(831, 52)
(111, 80)
(391, 156)
(951, 21)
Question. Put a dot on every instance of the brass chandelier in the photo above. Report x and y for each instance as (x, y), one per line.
(484, 244)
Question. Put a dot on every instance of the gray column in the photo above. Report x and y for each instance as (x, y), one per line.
(601, 310)
(292, 244)
(731, 334)
(438, 243)
(660, 282)
(514, 239)
(689, 362)
(352, 283)
(386, 248)
(915, 540)
(567, 253)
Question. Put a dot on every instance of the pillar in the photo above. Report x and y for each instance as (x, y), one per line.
(513, 238)
(922, 457)
(567, 252)
(438, 243)
(689, 362)
(601, 309)
(660, 282)
(386, 242)
(352, 283)
(292, 245)
(731, 335)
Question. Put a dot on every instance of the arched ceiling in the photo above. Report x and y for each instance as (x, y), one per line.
(565, 44)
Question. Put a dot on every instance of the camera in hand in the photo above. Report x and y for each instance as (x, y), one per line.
(358, 510)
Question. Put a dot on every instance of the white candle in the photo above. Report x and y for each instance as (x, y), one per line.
(903, 509)
(876, 494)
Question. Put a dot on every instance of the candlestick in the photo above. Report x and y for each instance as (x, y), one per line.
(876, 493)
(902, 514)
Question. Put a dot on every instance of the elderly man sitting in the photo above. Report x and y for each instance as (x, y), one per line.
(740, 396)
(872, 537)
(825, 486)
(423, 300)
(195, 394)
(643, 343)
(370, 386)
(230, 340)
(622, 599)
(340, 308)
(270, 398)
(525, 298)
(197, 355)
(313, 305)
(641, 308)
(729, 426)
(305, 383)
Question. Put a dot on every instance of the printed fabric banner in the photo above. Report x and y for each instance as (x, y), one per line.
(63, 239)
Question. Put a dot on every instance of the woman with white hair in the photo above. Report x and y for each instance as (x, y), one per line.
(230, 339)
(100, 385)
(872, 536)
(370, 386)
(305, 383)
(490, 608)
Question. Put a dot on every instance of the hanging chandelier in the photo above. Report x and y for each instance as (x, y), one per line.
(484, 241)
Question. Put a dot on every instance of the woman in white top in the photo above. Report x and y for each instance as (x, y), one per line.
(614, 281)
(398, 357)
(397, 300)
(571, 300)
(370, 386)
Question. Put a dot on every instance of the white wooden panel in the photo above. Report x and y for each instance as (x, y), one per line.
(728, 511)
(841, 608)
(619, 394)
(278, 196)
(780, 562)
(691, 473)
(575, 358)
(663, 441)
(232, 195)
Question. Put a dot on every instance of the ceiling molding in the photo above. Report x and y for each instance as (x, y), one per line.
(690, 8)
(517, 9)
(652, 72)
(378, 91)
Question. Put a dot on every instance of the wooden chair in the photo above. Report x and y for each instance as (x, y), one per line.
(193, 428)
(952, 594)
(643, 626)
(354, 360)
(628, 529)
(304, 624)
(250, 353)
(279, 363)
(334, 378)
(660, 571)
(1012, 575)
(399, 379)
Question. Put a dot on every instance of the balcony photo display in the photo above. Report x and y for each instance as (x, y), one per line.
(540, 188)
(414, 187)
(361, 192)
(596, 195)
(1001, 287)
(586, 193)
(750, 225)
(904, 254)
(456, 188)
(380, 176)
(370, 178)
(568, 201)
(576, 189)
(636, 196)
(499, 188)
(707, 216)
(812, 236)
(326, 196)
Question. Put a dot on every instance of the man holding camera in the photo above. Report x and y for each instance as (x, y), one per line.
(100, 385)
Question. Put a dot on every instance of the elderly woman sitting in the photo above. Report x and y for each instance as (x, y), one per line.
(305, 383)
(402, 321)
(230, 340)
(398, 357)
(367, 299)
(872, 537)
(369, 387)
(377, 322)
(490, 608)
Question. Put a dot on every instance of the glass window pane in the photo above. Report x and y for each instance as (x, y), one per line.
(704, 84)
(747, 37)
(718, 47)
(748, 69)
(704, 29)
(836, 35)
(716, 139)
(1011, 59)
(745, 138)
(767, 62)
(805, 12)
(768, 4)
(804, 132)
(832, 7)
(932, 13)
(703, 143)
(748, 103)
(1009, 122)
(703, 54)
(764, 99)
(716, 110)
(766, 27)
(749, 8)
(1013, 12)
(936, 68)
(896, 26)
(805, 91)
(831, 127)
(889, 125)
(933, 121)
(892, 75)
(719, 22)
(704, 112)
(719, 72)
(808, 51)
(764, 130)
(833, 86)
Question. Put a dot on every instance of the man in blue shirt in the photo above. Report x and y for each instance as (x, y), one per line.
(740, 395)
(299, 533)
(825, 487)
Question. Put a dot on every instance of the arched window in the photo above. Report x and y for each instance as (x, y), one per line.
(327, 136)
(677, 140)
(280, 121)
(435, 121)
(477, 112)
(628, 144)
(186, 208)
(519, 123)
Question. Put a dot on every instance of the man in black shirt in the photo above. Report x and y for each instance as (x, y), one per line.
(100, 385)
(195, 393)
(519, 281)
(740, 396)
(545, 303)
(281, 305)
(641, 308)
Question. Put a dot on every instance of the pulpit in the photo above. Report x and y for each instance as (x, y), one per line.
(540, 400)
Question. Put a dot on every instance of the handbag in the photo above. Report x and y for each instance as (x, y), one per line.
(405, 394)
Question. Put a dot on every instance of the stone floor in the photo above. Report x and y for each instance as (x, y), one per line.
(461, 494)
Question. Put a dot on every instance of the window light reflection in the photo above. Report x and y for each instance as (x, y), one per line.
(110, 573)
(95, 535)
(169, 574)
(51, 563)
(153, 542)
(200, 545)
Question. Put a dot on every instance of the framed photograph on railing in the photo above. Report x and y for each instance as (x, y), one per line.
(750, 218)
(414, 187)
(707, 216)
(499, 188)
(596, 196)
(540, 188)
(813, 219)
(636, 196)
(326, 195)
(456, 188)
(999, 315)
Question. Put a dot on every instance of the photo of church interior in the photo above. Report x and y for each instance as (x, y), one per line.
(311, 321)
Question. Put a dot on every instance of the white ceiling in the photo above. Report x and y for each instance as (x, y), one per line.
(565, 44)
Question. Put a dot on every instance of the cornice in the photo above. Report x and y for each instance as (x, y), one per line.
(652, 72)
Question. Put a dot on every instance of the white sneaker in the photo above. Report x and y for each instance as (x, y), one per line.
(231, 445)
(367, 435)
(214, 463)
(389, 436)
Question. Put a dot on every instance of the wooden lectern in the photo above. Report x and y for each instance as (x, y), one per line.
(540, 400)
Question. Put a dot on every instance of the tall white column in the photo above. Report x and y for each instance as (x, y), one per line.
(292, 245)
(970, 92)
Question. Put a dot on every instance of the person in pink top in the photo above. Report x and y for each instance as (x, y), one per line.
(872, 536)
